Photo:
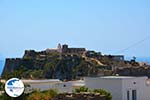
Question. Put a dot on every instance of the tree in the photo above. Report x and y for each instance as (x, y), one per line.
(134, 58)
(44, 95)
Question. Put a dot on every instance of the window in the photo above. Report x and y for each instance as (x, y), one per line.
(134, 95)
(128, 95)
(134, 82)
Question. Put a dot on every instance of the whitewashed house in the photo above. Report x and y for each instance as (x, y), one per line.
(69, 86)
(56, 84)
(121, 87)
(41, 84)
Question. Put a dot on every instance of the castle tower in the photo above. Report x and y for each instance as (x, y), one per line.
(64, 48)
(59, 48)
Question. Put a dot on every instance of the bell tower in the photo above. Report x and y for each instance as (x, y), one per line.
(59, 48)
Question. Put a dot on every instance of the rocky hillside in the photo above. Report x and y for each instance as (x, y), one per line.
(46, 65)
(41, 65)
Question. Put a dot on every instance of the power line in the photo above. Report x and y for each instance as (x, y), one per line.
(133, 45)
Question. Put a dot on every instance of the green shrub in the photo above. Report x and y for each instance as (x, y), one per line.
(51, 92)
(44, 95)
(82, 89)
(100, 91)
(103, 92)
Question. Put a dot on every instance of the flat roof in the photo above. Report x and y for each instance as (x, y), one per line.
(41, 81)
(118, 77)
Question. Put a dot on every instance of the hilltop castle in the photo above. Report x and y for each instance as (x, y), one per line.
(65, 49)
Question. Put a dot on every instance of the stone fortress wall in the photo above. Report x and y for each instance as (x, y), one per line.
(65, 49)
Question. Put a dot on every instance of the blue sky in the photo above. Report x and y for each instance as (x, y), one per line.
(107, 26)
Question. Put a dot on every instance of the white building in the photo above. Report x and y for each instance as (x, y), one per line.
(122, 88)
(69, 86)
(56, 84)
(58, 49)
(41, 84)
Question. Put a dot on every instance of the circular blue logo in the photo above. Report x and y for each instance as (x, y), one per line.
(14, 87)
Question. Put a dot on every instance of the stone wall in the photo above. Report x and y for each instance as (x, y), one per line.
(134, 71)
(66, 49)
(80, 96)
(11, 64)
